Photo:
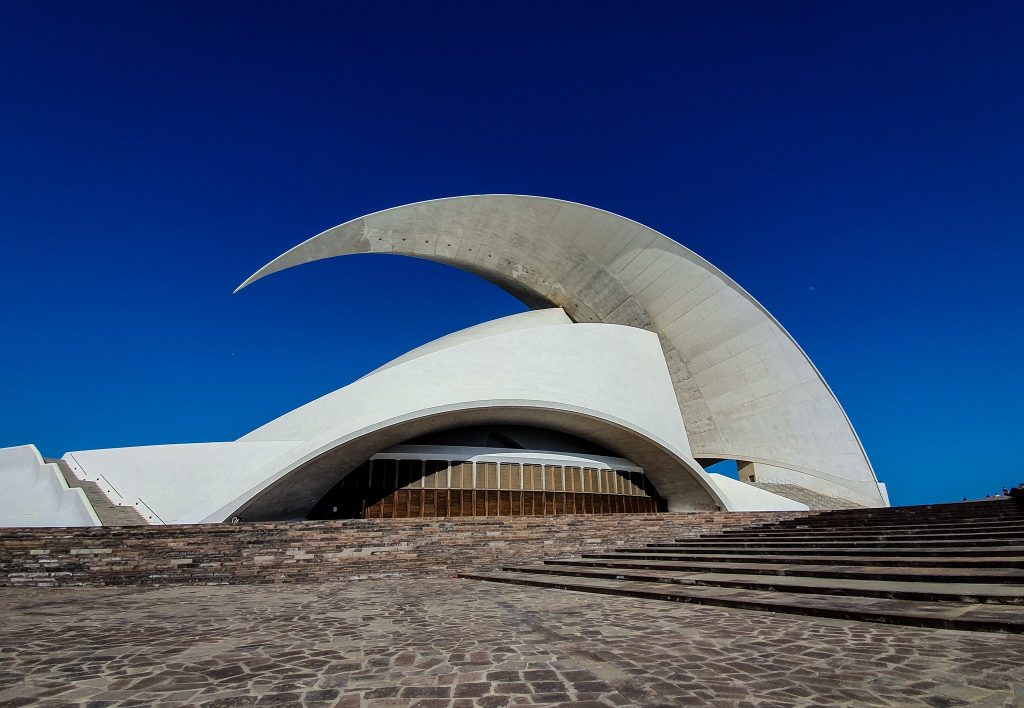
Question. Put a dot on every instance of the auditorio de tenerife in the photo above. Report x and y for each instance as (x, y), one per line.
(638, 365)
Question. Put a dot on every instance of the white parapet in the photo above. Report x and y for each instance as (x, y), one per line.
(165, 483)
(862, 493)
(745, 497)
(35, 492)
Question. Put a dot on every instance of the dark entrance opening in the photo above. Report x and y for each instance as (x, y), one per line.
(404, 488)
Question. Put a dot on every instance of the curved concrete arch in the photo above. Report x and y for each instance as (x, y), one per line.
(564, 373)
(310, 471)
(744, 387)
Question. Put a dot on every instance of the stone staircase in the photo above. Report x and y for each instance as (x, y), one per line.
(951, 566)
(109, 513)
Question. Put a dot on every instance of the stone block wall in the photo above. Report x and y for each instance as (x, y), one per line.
(315, 551)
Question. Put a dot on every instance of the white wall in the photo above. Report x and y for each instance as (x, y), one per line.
(35, 493)
(166, 482)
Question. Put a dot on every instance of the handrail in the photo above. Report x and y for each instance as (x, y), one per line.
(152, 512)
(79, 466)
(112, 486)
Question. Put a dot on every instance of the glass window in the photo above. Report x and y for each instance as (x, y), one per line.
(509, 476)
(436, 473)
(549, 477)
(384, 474)
(557, 477)
(462, 475)
(487, 475)
(573, 483)
(410, 473)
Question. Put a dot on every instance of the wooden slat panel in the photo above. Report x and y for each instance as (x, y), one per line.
(516, 503)
(462, 475)
(549, 477)
(486, 475)
(515, 475)
(436, 488)
(538, 478)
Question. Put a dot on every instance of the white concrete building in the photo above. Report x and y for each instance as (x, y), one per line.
(639, 365)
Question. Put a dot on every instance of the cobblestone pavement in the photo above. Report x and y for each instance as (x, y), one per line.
(462, 643)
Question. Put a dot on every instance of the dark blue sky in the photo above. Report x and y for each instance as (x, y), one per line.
(858, 167)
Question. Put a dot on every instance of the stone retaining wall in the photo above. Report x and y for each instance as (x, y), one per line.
(313, 551)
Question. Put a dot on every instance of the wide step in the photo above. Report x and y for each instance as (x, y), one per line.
(832, 560)
(941, 615)
(799, 549)
(902, 590)
(806, 527)
(1000, 575)
(875, 535)
(952, 566)
(816, 543)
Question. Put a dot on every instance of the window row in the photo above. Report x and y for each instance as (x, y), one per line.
(441, 474)
(405, 503)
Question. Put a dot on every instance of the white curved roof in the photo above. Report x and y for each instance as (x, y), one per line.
(744, 387)
(511, 323)
(569, 374)
(598, 381)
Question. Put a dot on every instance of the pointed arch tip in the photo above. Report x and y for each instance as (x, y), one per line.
(268, 270)
(248, 281)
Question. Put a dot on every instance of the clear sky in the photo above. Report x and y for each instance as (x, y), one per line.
(858, 167)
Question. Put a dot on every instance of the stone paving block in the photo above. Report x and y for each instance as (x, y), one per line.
(398, 643)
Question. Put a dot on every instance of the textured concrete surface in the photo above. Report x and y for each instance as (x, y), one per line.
(450, 642)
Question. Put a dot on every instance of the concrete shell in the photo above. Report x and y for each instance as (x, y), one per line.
(521, 370)
(744, 388)
(602, 382)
